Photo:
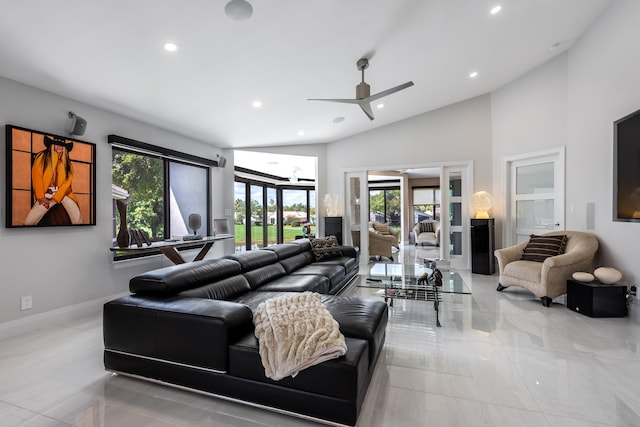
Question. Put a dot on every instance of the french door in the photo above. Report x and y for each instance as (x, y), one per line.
(536, 195)
(455, 184)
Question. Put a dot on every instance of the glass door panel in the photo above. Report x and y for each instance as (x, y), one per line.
(455, 213)
(456, 184)
(257, 220)
(294, 211)
(272, 216)
(354, 222)
(239, 215)
(535, 204)
(535, 179)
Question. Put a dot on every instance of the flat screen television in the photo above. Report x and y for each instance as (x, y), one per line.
(626, 167)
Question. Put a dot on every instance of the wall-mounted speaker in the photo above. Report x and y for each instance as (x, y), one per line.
(77, 125)
(222, 161)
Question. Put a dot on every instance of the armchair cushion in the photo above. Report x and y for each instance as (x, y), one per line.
(427, 227)
(540, 248)
(381, 228)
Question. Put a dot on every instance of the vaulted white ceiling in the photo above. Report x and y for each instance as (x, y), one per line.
(109, 53)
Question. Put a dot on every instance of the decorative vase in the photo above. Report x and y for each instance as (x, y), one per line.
(608, 275)
(123, 238)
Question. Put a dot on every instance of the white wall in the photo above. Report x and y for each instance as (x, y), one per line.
(572, 101)
(67, 266)
(528, 115)
(459, 132)
(604, 85)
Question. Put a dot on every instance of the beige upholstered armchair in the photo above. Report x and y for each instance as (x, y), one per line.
(547, 279)
(380, 245)
(427, 232)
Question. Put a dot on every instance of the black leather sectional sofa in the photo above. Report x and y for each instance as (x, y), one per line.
(191, 325)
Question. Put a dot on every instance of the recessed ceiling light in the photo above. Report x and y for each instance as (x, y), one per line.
(380, 106)
(338, 120)
(170, 47)
(300, 132)
(257, 104)
(238, 10)
(495, 10)
(473, 75)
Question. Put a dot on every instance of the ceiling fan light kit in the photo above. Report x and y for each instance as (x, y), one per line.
(363, 92)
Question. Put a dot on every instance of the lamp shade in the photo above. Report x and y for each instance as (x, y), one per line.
(481, 202)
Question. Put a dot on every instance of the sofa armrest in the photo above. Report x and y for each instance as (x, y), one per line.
(350, 251)
(193, 331)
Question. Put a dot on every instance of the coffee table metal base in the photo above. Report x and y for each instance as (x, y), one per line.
(420, 290)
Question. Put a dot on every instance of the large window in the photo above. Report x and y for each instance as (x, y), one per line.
(163, 190)
(295, 212)
(426, 203)
(275, 213)
(385, 206)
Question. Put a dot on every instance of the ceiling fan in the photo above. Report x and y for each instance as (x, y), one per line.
(363, 92)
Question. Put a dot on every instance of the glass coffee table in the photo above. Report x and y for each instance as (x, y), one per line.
(415, 282)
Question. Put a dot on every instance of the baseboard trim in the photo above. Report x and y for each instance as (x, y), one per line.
(53, 317)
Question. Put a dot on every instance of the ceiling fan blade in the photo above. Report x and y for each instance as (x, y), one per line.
(366, 107)
(389, 91)
(345, 101)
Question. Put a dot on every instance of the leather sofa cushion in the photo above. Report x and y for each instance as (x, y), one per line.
(193, 331)
(335, 273)
(176, 278)
(294, 262)
(305, 244)
(253, 259)
(319, 284)
(340, 378)
(359, 318)
(348, 263)
(225, 289)
(262, 275)
(285, 250)
(254, 298)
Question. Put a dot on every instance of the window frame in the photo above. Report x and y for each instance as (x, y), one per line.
(279, 204)
(385, 189)
(167, 156)
(433, 205)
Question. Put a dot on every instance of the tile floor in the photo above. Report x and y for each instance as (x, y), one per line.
(499, 359)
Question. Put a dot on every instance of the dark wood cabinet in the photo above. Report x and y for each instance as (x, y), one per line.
(333, 227)
(482, 246)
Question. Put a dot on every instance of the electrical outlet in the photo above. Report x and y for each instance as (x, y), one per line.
(26, 303)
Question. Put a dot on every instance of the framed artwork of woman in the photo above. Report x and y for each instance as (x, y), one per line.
(50, 179)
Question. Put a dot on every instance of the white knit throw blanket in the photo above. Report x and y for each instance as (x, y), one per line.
(294, 333)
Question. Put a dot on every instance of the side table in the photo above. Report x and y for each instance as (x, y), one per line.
(595, 299)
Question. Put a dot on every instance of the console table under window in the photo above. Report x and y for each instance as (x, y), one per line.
(170, 247)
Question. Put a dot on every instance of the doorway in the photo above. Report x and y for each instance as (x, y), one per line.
(454, 210)
(535, 195)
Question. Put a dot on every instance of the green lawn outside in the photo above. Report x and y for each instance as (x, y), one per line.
(290, 233)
